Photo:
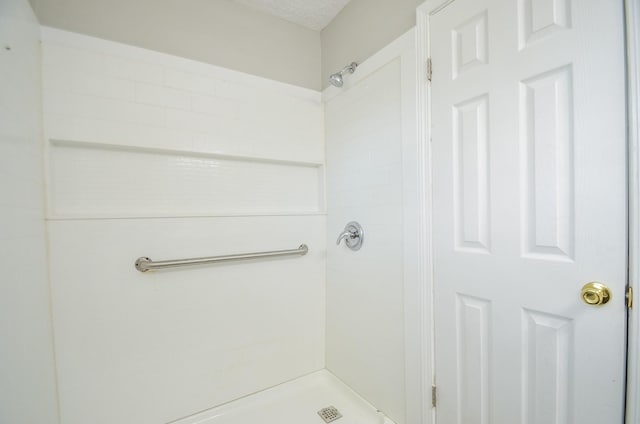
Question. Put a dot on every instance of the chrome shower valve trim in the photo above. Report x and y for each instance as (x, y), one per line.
(353, 236)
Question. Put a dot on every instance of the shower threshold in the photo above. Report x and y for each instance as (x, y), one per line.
(295, 402)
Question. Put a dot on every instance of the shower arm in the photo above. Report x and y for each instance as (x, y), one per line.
(351, 68)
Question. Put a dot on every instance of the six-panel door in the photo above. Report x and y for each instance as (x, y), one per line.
(528, 153)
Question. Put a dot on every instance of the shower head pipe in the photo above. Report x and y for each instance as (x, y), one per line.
(337, 79)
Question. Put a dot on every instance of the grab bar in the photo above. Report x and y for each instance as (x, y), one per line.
(144, 264)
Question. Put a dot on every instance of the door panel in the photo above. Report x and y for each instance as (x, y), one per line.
(529, 195)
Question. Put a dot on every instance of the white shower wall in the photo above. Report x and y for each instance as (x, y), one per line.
(27, 377)
(372, 323)
(153, 155)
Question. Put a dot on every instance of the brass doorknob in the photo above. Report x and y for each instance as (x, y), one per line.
(595, 293)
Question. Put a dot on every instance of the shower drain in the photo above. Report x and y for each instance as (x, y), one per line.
(330, 413)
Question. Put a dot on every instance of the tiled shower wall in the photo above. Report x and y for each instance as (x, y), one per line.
(27, 379)
(153, 155)
(370, 125)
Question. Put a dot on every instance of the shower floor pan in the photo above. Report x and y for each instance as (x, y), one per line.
(296, 402)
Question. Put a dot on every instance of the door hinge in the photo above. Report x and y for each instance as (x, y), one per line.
(433, 396)
(629, 297)
(429, 69)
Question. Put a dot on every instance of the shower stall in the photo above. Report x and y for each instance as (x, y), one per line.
(146, 161)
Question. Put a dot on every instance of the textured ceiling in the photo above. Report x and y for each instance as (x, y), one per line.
(313, 14)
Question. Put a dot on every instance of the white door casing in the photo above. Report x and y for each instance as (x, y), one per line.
(632, 15)
(527, 129)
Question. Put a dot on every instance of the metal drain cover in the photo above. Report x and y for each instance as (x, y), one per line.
(330, 413)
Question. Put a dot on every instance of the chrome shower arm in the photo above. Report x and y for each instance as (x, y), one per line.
(350, 67)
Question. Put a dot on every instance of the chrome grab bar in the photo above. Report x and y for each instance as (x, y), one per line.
(144, 264)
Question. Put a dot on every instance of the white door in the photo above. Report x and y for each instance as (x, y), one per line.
(529, 204)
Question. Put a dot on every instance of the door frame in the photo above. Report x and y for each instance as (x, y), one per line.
(423, 119)
(423, 47)
(632, 17)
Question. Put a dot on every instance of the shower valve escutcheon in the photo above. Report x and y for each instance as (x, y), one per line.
(353, 235)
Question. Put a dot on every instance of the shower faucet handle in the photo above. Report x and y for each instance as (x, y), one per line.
(346, 235)
(352, 235)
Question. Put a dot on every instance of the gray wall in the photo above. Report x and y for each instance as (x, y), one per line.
(27, 377)
(237, 37)
(219, 32)
(362, 28)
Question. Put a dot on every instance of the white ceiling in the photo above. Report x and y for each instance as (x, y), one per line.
(313, 14)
